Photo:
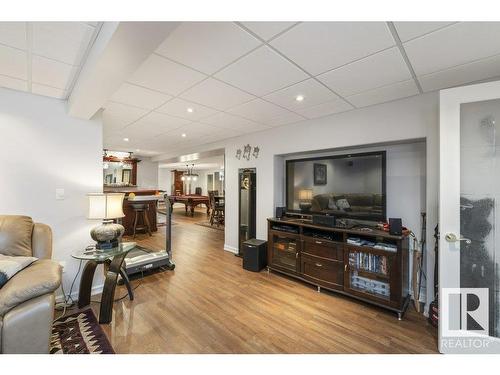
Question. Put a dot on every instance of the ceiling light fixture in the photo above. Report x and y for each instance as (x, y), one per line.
(183, 135)
(126, 139)
(190, 110)
(299, 98)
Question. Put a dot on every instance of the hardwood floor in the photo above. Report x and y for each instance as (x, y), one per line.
(209, 304)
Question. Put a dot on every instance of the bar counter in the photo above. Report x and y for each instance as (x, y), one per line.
(146, 196)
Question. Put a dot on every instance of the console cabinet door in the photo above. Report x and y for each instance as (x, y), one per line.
(284, 251)
(373, 275)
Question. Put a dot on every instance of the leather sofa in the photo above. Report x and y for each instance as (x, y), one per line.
(360, 205)
(27, 299)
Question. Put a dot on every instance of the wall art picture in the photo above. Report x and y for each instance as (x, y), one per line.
(319, 174)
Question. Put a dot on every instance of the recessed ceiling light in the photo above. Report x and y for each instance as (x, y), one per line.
(190, 110)
(299, 98)
(126, 139)
(183, 135)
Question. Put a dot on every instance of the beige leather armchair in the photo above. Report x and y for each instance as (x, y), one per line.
(27, 300)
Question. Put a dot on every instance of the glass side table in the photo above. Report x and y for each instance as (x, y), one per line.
(113, 266)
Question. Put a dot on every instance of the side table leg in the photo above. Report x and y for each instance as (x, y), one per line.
(126, 281)
(86, 284)
(108, 292)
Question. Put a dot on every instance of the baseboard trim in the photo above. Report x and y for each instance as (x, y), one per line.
(74, 295)
(231, 249)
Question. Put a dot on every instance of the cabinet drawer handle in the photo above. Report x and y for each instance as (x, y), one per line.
(297, 255)
(318, 265)
(319, 242)
(345, 267)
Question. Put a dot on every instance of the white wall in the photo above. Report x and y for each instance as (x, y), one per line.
(407, 119)
(42, 149)
(147, 173)
(165, 179)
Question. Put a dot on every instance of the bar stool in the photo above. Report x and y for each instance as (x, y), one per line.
(141, 210)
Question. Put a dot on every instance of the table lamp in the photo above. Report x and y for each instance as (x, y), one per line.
(305, 197)
(106, 207)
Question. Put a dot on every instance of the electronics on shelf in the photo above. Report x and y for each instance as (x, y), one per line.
(285, 228)
(326, 220)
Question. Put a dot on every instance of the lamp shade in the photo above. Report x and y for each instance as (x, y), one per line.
(305, 194)
(105, 206)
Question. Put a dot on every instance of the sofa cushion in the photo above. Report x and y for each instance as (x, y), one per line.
(9, 266)
(15, 235)
(360, 199)
(41, 277)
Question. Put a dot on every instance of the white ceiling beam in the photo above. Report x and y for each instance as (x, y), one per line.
(119, 49)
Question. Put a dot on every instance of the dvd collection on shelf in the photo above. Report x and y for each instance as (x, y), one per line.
(367, 285)
(368, 262)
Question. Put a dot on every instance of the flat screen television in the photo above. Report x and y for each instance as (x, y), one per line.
(346, 186)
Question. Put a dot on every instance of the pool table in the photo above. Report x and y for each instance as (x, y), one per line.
(190, 201)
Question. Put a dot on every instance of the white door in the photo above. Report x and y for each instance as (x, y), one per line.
(469, 204)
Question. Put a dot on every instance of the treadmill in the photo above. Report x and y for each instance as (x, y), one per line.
(142, 259)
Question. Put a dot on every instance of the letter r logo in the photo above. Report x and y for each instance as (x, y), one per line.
(465, 311)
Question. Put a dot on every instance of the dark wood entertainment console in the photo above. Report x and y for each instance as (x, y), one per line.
(370, 265)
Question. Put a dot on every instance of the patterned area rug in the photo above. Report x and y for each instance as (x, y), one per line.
(79, 333)
(207, 224)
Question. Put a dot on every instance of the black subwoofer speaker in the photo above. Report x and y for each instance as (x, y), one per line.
(395, 226)
(254, 255)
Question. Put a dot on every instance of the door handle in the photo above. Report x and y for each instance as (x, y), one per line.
(318, 265)
(452, 237)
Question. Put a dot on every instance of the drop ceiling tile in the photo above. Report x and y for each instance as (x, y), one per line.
(155, 123)
(457, 44)
(117, 116)
(374, 71)
(224, 120)
(411, 30)
(13, 34)
(258, 110)
(179, 107)
(384, 94)
(267, 30)
(216, 94)
(261, 72)
(13, 62)
(207, 46)
(160, 74)
(321, 46)
(139, 96)
(286, 119)
(325, 109)
(51, 72)
(314, 93)
(195, 130)
(224, 134)
(13, 83)
(48, 91)
(62, 41)
(462, 74)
